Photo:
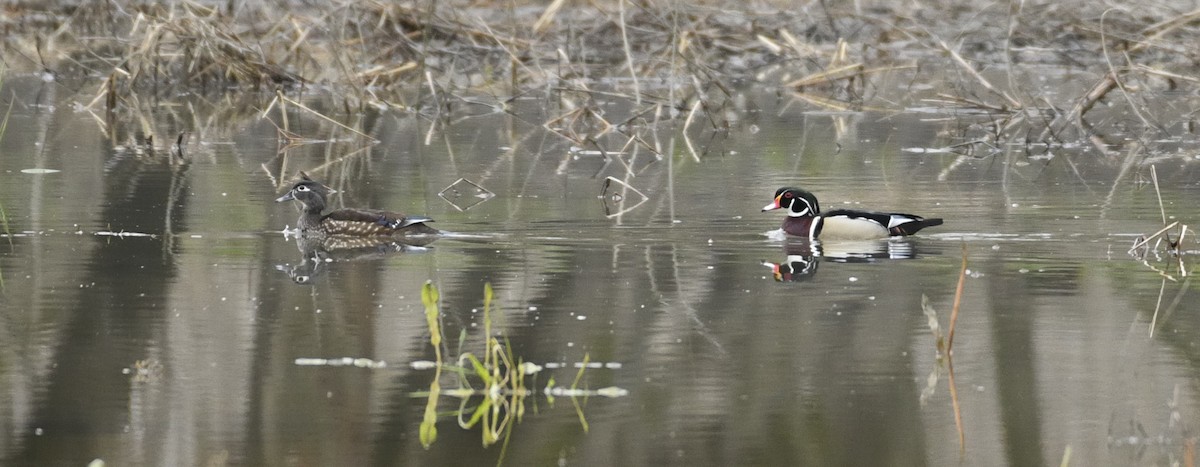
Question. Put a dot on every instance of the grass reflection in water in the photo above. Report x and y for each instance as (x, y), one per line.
(496, 384)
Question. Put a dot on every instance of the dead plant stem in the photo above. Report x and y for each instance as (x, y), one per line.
(637, 88)
(962, 63)
(1113, 72)
(958, 423)
(1162, 210)
(958, 291)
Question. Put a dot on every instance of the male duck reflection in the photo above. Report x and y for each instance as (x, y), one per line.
(804, 257)
(348, 222)
(805, 219)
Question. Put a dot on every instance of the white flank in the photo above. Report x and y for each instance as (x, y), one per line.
(852, 228)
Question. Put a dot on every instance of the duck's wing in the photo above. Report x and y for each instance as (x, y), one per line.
(370, 222)
(895, 223)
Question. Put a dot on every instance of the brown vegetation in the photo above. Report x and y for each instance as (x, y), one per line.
(669, 58)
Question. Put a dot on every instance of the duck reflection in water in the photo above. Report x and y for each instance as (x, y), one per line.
(805, 255)
(318, 254)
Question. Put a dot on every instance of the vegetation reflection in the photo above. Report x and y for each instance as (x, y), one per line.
(501, 391)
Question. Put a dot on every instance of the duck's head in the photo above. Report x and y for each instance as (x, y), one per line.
(798, 202)
(310, 193)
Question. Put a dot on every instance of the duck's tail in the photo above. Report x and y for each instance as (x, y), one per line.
(909, 228)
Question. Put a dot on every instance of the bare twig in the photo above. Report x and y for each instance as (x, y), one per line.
(637, 88)
(1113, 72)
(323, 117)
(962, 63)
(686, 123)
(958, 422)
(958, 291)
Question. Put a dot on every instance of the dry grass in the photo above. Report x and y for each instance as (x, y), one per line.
(668, 59)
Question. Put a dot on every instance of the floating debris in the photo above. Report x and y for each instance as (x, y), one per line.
(344, 361)
(423, 365)
(530, 368)
(464, 194)
(616, 200)
(611, 391)
(144, 371)
(916, 150)
(107, 233)
(609, 365)
(40, 171)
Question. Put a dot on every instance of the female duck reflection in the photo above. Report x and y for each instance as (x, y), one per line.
(348, 234)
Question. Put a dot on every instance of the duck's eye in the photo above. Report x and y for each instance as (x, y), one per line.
(302, 188)
(787, 195)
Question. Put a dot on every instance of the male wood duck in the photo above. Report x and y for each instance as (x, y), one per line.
(348, 222)
(805, 219)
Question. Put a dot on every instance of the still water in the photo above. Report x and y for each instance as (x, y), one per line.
(154, 313)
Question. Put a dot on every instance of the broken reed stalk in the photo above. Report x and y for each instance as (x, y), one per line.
(1157, 306)
(284, 98)
(688, 122)
(1109, 81)
(1113, 72)
(1183, 288)
(958, 423)
(4, 224)
(1162, 210)
(547, 17)
(1155, 235)
(1164, 232)
(1166, 74)
(637, 88)
(958, 291)
(830, 75)
(962, 63)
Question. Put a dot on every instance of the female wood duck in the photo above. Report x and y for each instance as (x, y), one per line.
(348, 222)
(805, 219)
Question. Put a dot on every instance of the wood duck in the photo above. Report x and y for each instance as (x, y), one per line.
(348, 222)
(805, 219)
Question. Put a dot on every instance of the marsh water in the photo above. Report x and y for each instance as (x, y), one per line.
(153, 311)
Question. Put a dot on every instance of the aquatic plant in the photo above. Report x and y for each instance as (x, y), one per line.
(500, 380)
(501, 374)
(945, 345)
(1159, 246)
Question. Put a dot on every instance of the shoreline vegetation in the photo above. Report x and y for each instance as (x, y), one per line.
(672, 60)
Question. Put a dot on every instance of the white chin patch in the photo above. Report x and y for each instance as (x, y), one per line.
(803, 213)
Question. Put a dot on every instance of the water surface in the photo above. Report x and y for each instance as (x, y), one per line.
(153, 312)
